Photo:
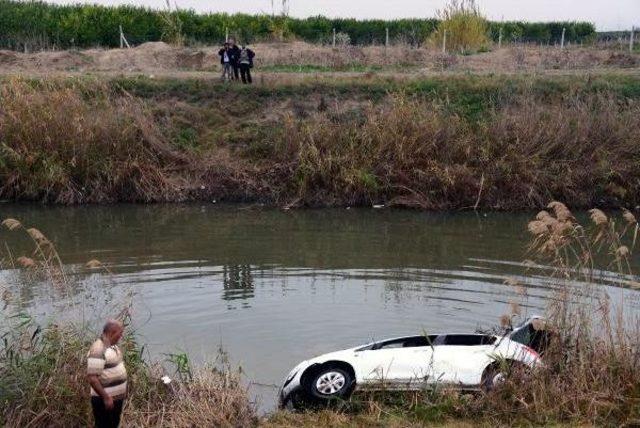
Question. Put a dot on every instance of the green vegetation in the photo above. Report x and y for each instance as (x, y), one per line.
(463, 27)
(36, 24)
(442, 143)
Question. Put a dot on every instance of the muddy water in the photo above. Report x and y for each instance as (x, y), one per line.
(274, 288)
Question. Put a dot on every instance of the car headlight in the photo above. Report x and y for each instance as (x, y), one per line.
(294, 373)
(290, 378)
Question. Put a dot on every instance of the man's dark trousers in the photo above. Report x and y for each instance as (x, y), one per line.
(245, 71)
(106, 418)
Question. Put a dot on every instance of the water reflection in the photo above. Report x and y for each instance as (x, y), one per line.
(238, 285)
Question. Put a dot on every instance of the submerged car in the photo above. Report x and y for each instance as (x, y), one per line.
(465, 361)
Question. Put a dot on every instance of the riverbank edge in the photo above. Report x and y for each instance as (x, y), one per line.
(256, 148)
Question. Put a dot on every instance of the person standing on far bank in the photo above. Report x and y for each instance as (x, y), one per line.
(107, 376)
(246, 64)
(234, 51)
(225, 61)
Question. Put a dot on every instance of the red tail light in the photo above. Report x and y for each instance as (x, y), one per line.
(530, 351)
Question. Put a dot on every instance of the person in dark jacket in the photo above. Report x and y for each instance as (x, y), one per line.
(235, 58)
(245, 60)
(226, 62)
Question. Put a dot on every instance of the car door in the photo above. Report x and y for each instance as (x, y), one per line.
(394, 368)
(459, 365)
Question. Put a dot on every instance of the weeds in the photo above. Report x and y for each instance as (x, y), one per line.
(431, 144)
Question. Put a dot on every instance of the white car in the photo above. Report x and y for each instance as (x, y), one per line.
(466, 361)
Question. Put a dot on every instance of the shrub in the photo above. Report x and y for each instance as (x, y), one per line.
(466, 29)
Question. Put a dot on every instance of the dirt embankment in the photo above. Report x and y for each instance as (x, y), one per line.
(161, 58)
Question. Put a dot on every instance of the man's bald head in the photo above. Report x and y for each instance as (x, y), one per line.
(113, 330)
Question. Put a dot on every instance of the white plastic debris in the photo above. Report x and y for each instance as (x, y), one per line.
(166, 379)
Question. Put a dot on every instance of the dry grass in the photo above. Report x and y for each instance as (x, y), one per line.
(83, 142)
(158, 58)
(591, 373)
(416, 154)
(71, 144)
(44, 385)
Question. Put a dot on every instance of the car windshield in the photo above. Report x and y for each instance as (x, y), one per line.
(527, 335)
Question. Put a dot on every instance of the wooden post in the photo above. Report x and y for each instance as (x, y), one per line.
(334, 38)
(123, 40)
(500, 39)
(562, 40)
(386, 40)
(444, 42)
(631, 40)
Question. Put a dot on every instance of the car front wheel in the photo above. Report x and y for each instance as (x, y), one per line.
(329, 383)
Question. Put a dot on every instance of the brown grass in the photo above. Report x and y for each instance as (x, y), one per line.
(86, 143)
(64, 145)
(411, 153)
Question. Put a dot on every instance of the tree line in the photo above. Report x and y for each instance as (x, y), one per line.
(42, 25)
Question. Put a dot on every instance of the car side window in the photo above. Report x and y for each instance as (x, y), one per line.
(407, 342)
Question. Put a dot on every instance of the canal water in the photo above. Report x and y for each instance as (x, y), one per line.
(273, 288)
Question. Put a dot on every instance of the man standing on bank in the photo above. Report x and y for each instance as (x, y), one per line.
(107, 376)
(246, 63)
(225, 61)
(234, 51)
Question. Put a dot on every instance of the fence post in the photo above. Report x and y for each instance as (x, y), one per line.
(562, 40)
(500, 39)
(631, 40)
(386, 40)
(444, 42)
(334, 38)
(123, 40)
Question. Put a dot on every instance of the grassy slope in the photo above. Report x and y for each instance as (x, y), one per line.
(323, 141)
